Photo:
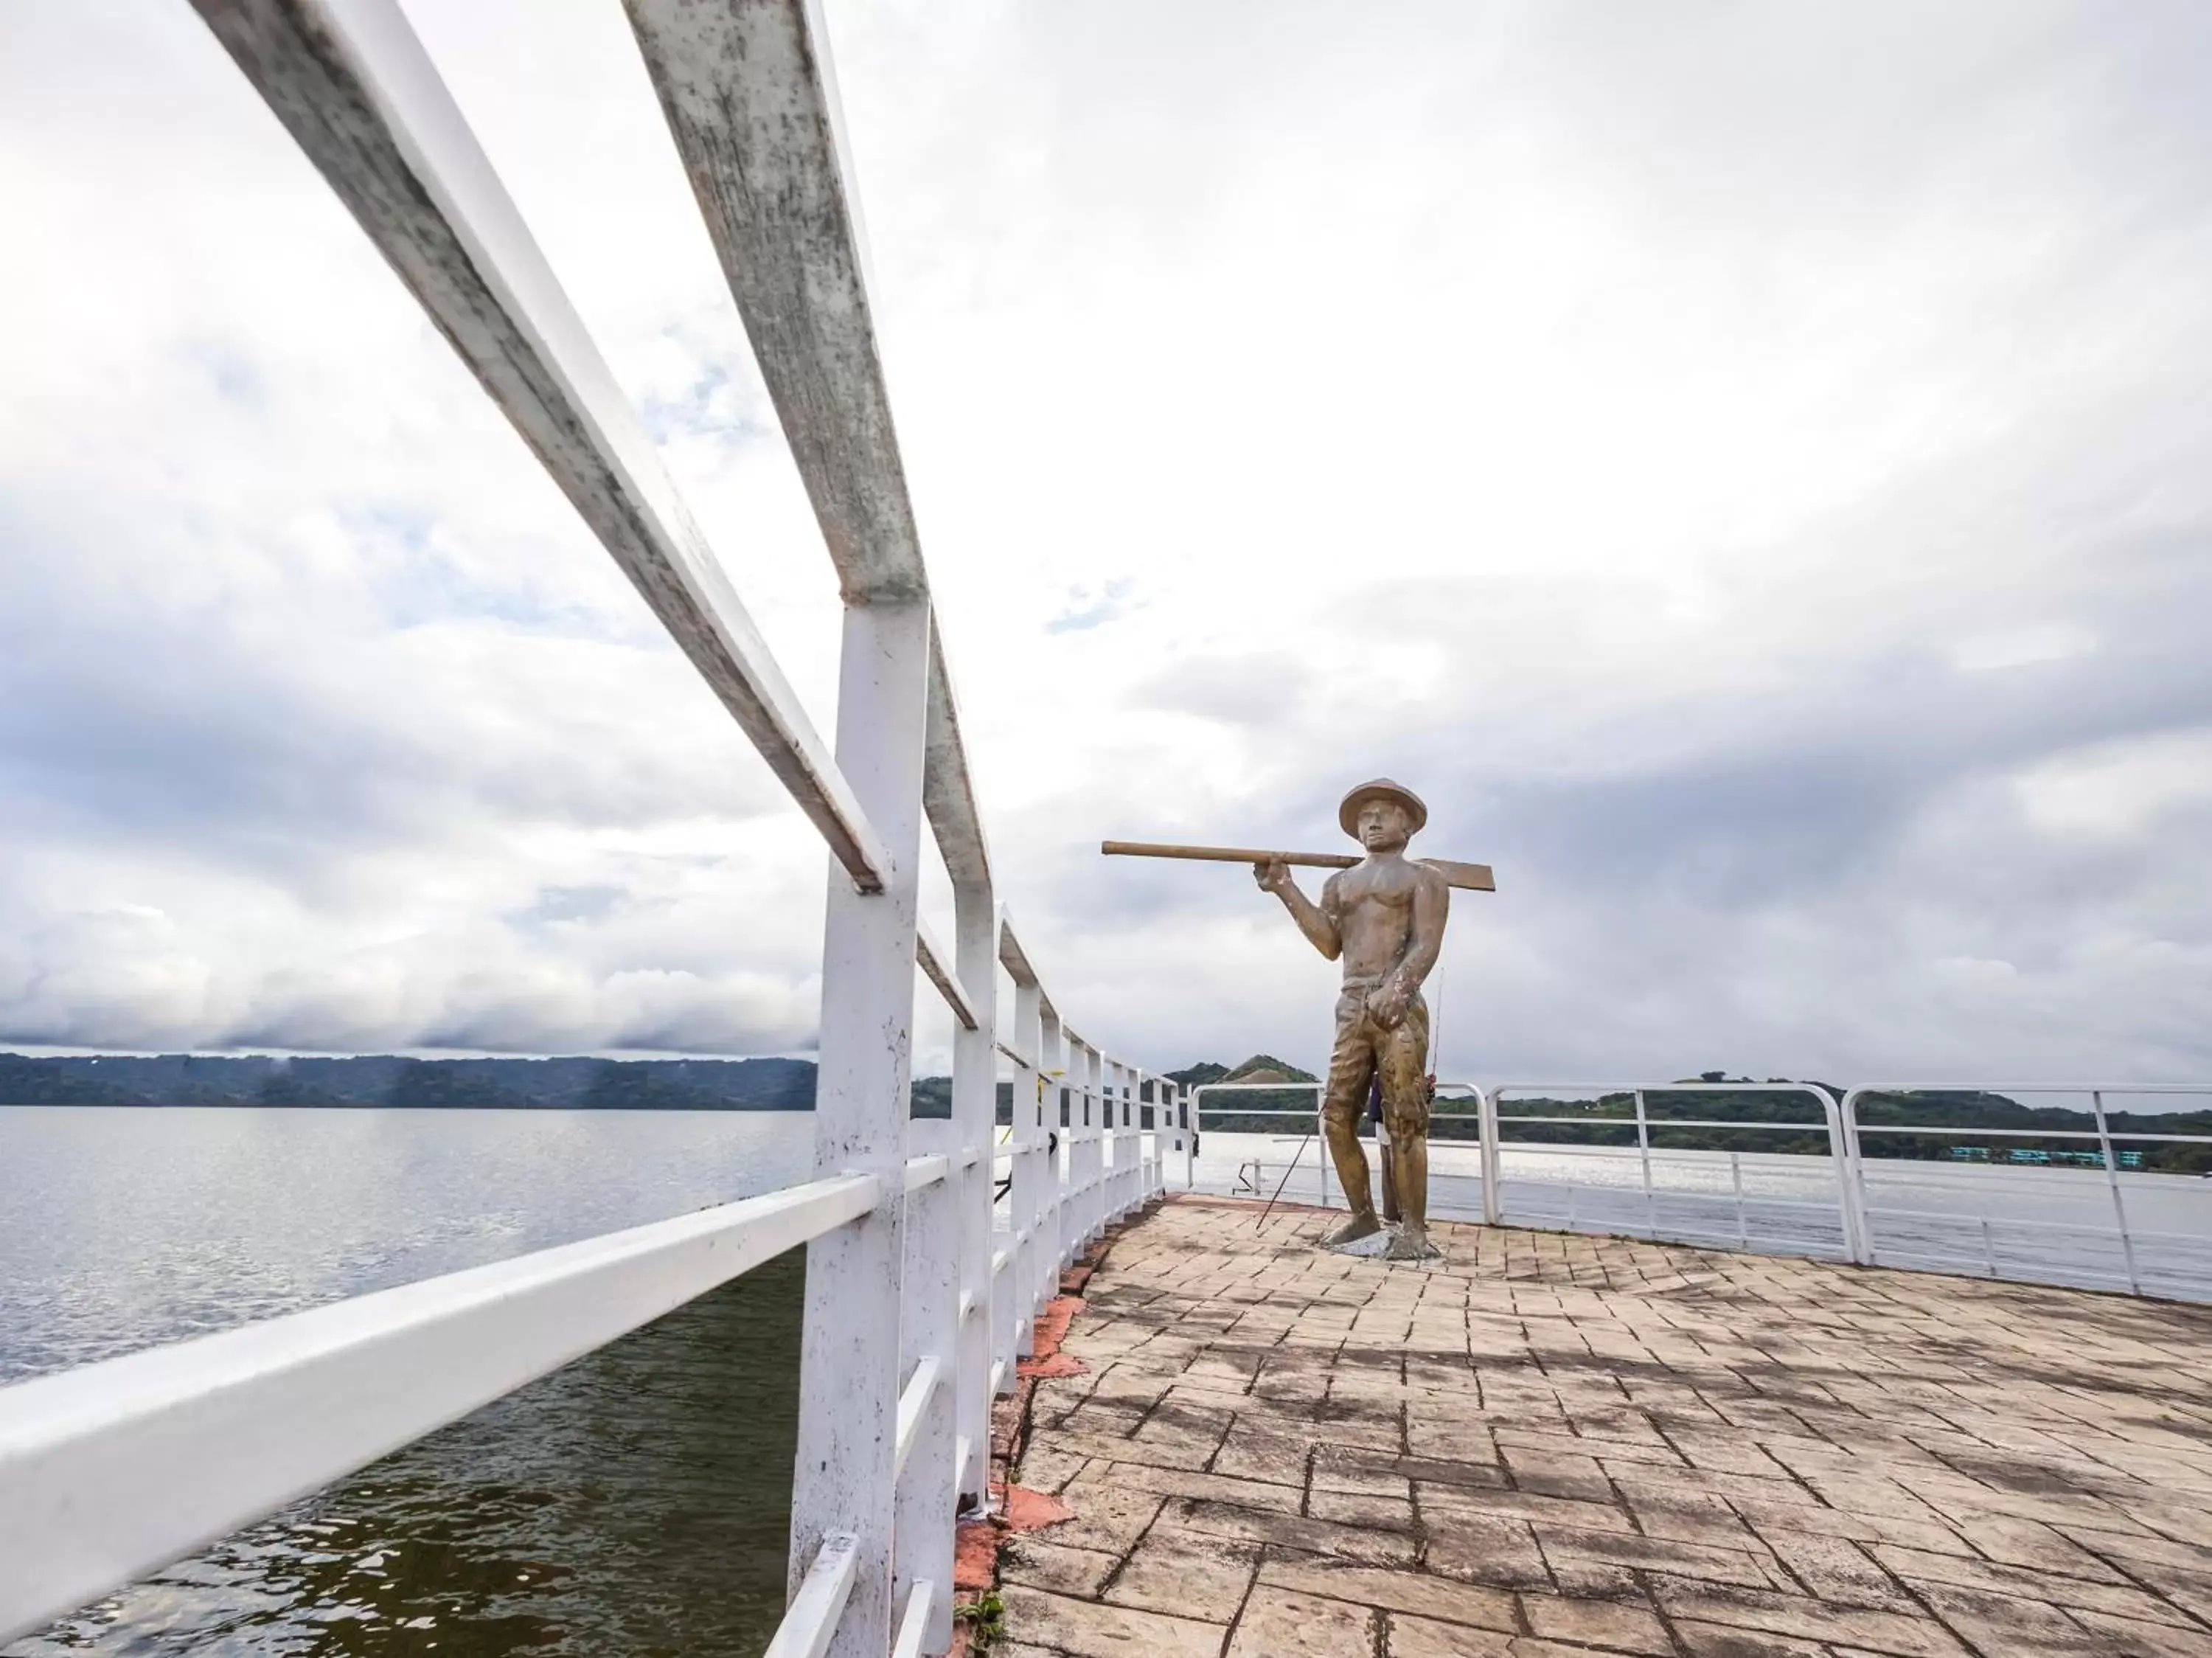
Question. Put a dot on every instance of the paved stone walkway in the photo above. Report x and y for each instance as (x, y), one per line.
(1551, 1446)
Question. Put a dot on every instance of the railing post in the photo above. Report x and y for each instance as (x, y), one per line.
(1075, 1199)
(1157, 1160)
(1843, 1154)
(1643, 1152)
(926, 1481)
(1028, 1201)
(1051, 1226)
(1141, 1173)
(1082, 1124)
(1163, 1094)
(1094, 1200)
(1187, 1114)
(1133, 1138)
(1493, 1197)
(975, 1115)
(1128, 1151)
(1159, 1139)
(2112, 1179)
(850, 1374)
(1844, 1141)
(1110, 1189)
(1109, 1141)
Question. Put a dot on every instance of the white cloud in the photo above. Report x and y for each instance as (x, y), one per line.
(1747, 471)
(2023, 646)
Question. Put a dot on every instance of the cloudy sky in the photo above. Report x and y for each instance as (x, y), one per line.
(1746, 465)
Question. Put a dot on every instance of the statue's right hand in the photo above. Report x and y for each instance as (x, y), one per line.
(1273, 875)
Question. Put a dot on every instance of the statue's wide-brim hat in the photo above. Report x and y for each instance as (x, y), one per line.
(1380, 788)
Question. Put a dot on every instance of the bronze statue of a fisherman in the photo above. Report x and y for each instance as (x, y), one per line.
(1385, 916)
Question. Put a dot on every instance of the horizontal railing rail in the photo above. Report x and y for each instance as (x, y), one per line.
(112, 1469)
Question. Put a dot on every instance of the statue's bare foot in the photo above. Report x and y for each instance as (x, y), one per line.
(1359, 1226)
(1412, 1244)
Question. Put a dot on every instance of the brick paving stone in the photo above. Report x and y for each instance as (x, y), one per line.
(1187, 1574)
(1611, 1625)
(1047, 1565)
(1373, 1548)
(1551, 1445)
(1959, 1571)
(1419, 1593)
(1110, 1516)
(1630, 1553)
(1424, 1638)
(1486, 1549)
(1718, 1641)
(1279, 1624)
(1368, 1508)
(1089, 1629)
(1805, 1619)
(2126, 1638)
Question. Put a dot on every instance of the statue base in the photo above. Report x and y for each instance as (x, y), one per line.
(1376, 1246)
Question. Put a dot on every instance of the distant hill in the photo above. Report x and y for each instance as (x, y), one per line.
(1261, 1067)
(1223, 1110)
(388, 1079)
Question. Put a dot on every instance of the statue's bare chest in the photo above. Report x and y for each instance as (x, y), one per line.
(1376, 887)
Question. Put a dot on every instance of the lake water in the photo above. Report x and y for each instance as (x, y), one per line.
(634, 1504)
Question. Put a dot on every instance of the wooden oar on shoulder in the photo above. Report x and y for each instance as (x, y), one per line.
(1471, 877)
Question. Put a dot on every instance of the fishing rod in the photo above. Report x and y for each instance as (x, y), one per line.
(1285, 1181)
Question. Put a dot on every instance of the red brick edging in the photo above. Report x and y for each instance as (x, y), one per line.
(1014, 1508)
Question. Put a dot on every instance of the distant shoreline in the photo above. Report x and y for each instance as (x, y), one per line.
(362, 1105)
(397, 1081)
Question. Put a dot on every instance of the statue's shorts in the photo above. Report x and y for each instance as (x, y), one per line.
(1363, 1048)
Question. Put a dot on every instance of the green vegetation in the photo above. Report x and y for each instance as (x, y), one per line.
(1989, 1111)
(985, 1619)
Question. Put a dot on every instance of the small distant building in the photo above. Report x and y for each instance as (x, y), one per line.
(2035, 1158)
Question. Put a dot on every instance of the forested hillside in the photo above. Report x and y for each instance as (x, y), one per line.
(388, 1079)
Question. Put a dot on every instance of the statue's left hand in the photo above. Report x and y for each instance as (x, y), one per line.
(1386, 1005)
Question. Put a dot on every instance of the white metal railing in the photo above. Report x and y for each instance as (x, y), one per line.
(2112, 1223)
(916, 1306)
(1652, 1210)
(1255, 1174)
(2081, 1227)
